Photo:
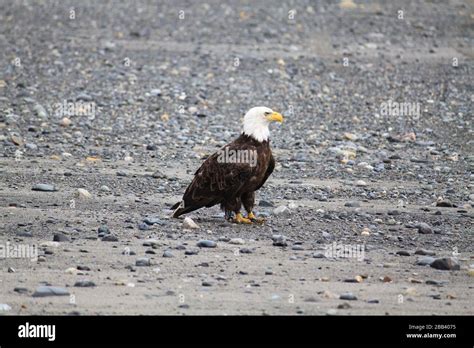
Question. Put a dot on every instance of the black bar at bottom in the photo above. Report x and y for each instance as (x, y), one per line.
(135, 330)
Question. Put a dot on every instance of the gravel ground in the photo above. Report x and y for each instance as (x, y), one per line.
(115, 104)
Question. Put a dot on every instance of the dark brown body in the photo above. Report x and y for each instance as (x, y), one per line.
(228, 184)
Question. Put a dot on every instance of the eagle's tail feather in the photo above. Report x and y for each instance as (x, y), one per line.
(175, 206)
(180, 209)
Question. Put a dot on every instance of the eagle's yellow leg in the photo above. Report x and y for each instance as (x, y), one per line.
(251, 216)
(239, 219)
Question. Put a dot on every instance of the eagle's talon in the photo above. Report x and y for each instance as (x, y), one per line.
(239, 219)
(229, 216)
(251, 216)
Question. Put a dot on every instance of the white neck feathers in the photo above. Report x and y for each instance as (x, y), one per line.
(257, 129)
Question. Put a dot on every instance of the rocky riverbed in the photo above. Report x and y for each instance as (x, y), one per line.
(107, 109)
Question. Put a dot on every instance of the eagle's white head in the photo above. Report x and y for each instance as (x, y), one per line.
(257, 120)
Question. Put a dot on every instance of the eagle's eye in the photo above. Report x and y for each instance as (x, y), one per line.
(267, 113)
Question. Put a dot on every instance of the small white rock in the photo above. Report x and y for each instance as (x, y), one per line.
(50, 244)
(82, 193)
(188, 223)
(4, 307)
(65, 122)
(292, 205)
(74, 271)
(361, 183)
(365, 232)
(365, 165)
(238, 241)
(71, 270)
(282, 209)
(104, 188)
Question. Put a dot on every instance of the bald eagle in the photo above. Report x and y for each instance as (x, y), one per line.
(231, 176)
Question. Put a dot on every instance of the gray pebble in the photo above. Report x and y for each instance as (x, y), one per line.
(143, 226)
(263, 203)
(424, 252)
(44, 291)
(84, 284)
(168, 253)
(425, 261)
(435, 282)
(446, 264)
(153, 220)
(24, 234)
(103, 229)
(191, 252)
(206, 244)
(348, 296)
(393, 212)
(110, 238)
(143, 262)
(59, 237)
(84, 96)
(21, 290)
(352, 204)
(152, 242)
(403, 253)
(31, 146)
(424, 228)
(279, 240)
(44, 188)
(445, 203)
(40, 111)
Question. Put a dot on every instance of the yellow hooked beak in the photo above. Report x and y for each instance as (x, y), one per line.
(275, 116)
